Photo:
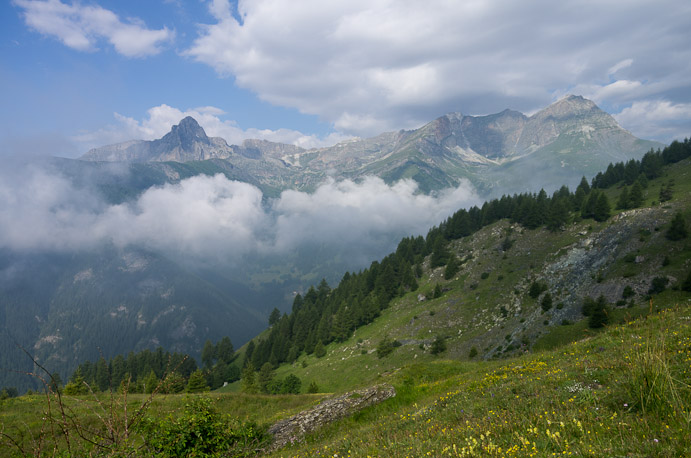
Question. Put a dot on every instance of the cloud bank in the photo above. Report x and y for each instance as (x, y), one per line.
(82, 27)
(376, 65)
(161, 118)
(215, 219)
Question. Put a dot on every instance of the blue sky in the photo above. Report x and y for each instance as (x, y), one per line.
(74, 75)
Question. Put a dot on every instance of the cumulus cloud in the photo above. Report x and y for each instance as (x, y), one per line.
(215, 219)
(374, 65)
(81, 27)
(658, 119)
(160, 119)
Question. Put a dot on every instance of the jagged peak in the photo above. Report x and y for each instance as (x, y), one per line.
(568, 106)
(186, 133)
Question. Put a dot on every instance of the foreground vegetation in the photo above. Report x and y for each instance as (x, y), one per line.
(623, 392)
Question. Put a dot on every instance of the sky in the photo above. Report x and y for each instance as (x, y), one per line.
(80, 74)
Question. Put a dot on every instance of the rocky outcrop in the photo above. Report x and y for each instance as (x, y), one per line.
(294, 428)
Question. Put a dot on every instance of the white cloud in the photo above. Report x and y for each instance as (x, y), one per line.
(81, 27)
(657, 119)
(161, 118)
(361, 214)
(619, 66)
(214, 219)
(373, 65)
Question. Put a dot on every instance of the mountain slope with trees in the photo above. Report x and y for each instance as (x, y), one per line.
(505, 231)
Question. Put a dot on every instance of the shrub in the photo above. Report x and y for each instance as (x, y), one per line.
(319, 350)
(596, 311)
(473, 353)
(536, 288)
(313, 388)
(628, 292)
(677, 228)
(686, 285)
(546, 303)
(437, 291)
(386, 346)
(201, 431)
(438, 346)
(658, 285)
(452, 268)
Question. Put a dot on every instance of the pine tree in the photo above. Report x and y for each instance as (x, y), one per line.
(686, 285)
(266, 374)
(584, 186)
(249, 379)
(274, 317)
(76, 385)
(224, 350)
(602, 208)
(623, 201)
(589, 204)
(319, 350)
(150, 382)
(636, 195)
(452, 267)
(440, 255)
(438, 346)
(558, 214)
(208, 354)
(546, 302)
(197, 382)
(677, 228)
(666, 191)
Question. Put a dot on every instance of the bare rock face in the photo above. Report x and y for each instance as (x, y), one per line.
(294, 428)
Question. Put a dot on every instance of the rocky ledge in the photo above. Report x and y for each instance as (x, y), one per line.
(294, 428)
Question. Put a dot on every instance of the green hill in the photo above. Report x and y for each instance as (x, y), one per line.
(499, 358)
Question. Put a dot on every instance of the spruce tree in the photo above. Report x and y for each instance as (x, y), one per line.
(197, 382)
(249, 379)
(452, 267)
(208, 354)
(266, 374)
(150, 382)
(224, 350)
(602, 208)
(636, 195)
(623, 201)
(677, 228)
(274, 317)
(686, 285)
(319, 350)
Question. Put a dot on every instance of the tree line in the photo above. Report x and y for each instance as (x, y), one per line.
(324, 315)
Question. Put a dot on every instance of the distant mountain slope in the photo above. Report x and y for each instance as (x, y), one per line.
(513, 290)
(560, 143)
(65, 309)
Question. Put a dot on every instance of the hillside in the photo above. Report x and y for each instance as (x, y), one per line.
(509, 379)
(501, 278)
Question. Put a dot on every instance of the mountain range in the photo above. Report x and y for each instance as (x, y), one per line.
(68, 306)
(558, 144)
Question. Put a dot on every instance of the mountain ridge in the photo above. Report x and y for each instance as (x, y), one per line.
(572, 134)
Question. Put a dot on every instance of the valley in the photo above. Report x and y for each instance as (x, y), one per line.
(483, 391)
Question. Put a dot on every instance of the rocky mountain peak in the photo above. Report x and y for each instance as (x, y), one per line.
(186, 134)
(572, 105)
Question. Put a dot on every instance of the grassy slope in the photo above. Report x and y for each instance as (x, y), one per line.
(581, 399)
(470, 315)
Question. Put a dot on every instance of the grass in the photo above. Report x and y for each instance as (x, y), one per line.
(621, 392)
(581, 400)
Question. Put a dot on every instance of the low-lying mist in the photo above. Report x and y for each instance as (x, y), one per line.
(214, 220)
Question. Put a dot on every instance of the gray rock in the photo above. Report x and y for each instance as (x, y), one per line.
(293, 429)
